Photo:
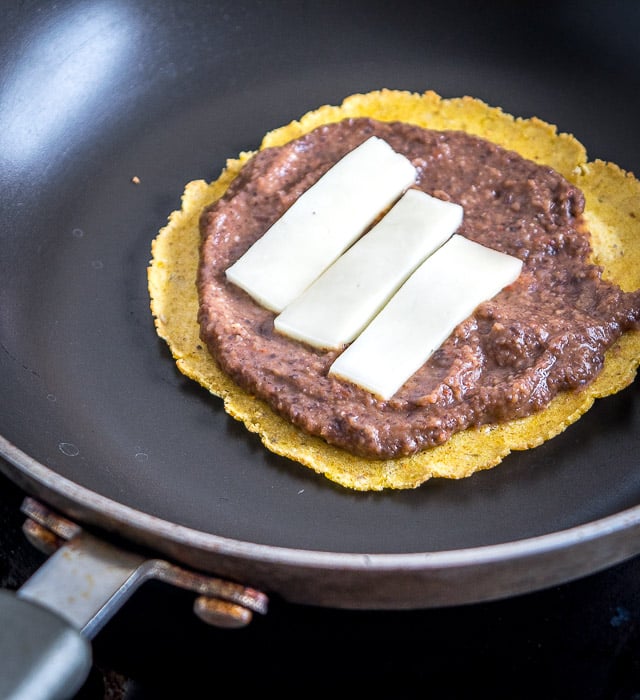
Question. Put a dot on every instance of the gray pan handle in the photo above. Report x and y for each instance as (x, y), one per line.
(46, 627)
(42, 656)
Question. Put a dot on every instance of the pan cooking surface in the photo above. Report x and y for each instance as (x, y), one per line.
(102, 92)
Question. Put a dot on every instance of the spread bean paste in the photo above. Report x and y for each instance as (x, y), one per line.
(544, 334)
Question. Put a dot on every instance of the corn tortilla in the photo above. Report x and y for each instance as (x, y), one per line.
(612, 214)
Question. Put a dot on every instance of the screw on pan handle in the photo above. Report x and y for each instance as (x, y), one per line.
(221, 603)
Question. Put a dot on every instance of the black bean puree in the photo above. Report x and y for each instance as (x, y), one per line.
(544, 334)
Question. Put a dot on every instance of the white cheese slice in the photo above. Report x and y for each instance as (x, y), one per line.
(322, 223)
(440, 294)
(349, 293)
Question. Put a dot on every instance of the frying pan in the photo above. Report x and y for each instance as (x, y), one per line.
(97, 423)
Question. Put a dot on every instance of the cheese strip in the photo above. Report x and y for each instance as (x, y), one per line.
(348, 294)
(440, 294)
(322, 223)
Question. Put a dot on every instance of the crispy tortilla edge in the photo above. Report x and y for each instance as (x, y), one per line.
(612, 213)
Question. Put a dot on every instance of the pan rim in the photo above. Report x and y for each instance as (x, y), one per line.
(124, 516)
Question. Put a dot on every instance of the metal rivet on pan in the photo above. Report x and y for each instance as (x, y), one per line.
(41, 537)
(221, 613)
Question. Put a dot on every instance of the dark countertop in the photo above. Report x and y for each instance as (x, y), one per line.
(577, 640)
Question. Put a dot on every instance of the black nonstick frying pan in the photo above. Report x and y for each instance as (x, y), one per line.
(107, 109)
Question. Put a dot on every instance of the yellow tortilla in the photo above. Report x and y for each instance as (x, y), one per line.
(612, 214)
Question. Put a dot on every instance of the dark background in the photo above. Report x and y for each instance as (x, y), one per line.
(574, 64)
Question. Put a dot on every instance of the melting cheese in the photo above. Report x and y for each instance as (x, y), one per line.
(322, 223)
(439, 295)
(342, 301)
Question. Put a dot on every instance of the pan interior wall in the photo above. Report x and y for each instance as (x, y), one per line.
(104, 92)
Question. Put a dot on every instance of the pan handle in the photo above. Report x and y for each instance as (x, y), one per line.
(41, 655)
(45, 652)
